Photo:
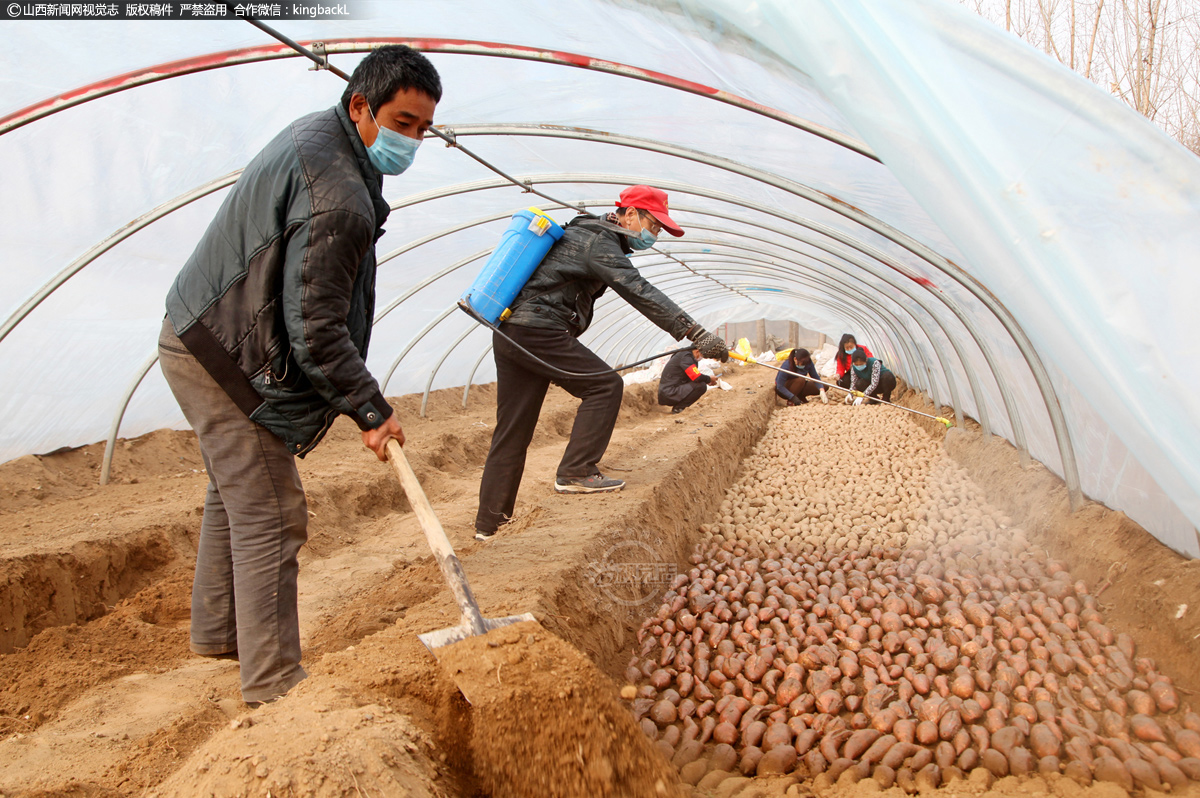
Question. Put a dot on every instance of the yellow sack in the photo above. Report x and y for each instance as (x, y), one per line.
(782, 356)
(743, 348)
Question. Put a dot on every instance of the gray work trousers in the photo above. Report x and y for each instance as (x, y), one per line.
(255, 521)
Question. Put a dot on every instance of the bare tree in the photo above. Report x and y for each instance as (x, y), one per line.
(1144, 51)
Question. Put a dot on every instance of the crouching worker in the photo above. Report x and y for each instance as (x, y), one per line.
(869, 376)
(548, 316)
(796, 390)
(682, 383)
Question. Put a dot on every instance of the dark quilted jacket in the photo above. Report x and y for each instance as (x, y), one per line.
(277, 299)
(589, 258)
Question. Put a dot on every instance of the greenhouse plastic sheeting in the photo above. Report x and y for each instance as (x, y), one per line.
(1073, 213)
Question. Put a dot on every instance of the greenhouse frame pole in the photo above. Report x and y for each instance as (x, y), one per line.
(939, 353)
(250, 55)
(786, 271)
(840, 306)
(110, 444)
(433, 371)
(471, 376)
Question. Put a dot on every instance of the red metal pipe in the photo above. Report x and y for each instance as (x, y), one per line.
(248, 55)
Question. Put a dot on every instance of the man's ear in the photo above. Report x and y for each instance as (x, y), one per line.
(358, 107)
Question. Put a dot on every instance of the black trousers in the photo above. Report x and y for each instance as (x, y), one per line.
(887, 384)
(520, 390)
(800, 388)
(681, 396)
(844, 380)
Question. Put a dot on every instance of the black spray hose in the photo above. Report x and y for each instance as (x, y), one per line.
(465, 307)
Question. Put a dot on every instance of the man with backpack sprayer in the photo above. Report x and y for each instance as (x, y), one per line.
(549, 314)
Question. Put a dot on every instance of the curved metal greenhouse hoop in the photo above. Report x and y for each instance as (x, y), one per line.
(844, 209)
(471, 376)
(839, 305)
(933, 341)
(445, 314)
(271, 52)
(108, 243)
(433, 371)
(110, 445)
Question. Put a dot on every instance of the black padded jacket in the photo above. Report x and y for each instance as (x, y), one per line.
(277, 299)
(590, 257)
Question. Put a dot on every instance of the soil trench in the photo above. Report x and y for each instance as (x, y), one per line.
(121, 698)
(100, 696)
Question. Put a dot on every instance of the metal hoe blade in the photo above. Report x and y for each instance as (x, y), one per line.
(453, 634)
(473, 623)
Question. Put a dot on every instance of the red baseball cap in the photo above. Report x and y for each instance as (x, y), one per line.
(652, 201)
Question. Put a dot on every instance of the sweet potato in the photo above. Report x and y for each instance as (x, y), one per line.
(1145, 728)
(1111, 769)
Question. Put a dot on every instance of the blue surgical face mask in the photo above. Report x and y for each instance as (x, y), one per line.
(863, 367)
(391, 153)
(645, 240)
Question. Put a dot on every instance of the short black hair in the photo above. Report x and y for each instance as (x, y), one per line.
(858, 354)
(396, 67)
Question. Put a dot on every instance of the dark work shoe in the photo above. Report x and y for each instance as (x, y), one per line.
(677, 410)
(481, 535)
(596, 483)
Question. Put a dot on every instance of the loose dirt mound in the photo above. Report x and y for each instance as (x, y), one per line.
(547, 723)
(326, 745)
(116, 705)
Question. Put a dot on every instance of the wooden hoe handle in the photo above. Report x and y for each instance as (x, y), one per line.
(451, 568)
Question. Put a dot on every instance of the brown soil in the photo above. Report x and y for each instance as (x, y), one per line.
(99, 695)
(546, 722)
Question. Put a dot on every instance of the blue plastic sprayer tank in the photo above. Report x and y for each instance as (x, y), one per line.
(528, 238)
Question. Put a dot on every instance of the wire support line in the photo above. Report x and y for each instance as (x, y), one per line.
(446, 135)
(740, 293)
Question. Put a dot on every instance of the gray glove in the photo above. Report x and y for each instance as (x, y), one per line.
(710, 345)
